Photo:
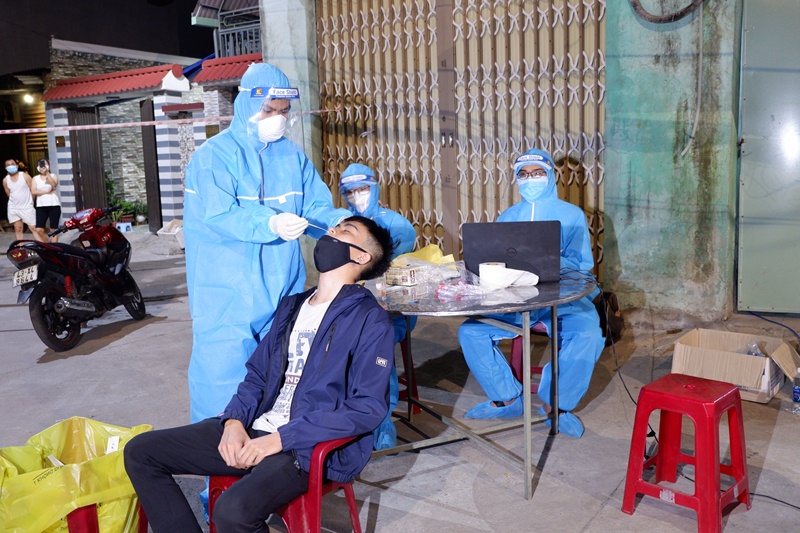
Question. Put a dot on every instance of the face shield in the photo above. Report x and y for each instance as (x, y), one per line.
(359, 189)
(278, 114)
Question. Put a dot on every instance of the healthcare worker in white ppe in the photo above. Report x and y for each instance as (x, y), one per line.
(580, 337)
(250, 193)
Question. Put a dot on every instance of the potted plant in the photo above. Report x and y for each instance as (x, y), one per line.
(126, 212)
(140, 211)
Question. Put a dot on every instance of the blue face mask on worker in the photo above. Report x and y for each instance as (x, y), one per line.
(532, 185)
(533, 189)
(331, 253)
(11, 169)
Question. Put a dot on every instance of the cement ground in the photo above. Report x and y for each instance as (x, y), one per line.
(126, 372)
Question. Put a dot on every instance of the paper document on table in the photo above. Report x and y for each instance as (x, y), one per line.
(497, 276)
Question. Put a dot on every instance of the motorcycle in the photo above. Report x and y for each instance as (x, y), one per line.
(68, 284)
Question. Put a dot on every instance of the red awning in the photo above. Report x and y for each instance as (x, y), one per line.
(225, 70)
(119, 83)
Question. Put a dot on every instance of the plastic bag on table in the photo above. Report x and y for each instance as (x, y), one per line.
(427, 265)
(37, 491)
(458, 291)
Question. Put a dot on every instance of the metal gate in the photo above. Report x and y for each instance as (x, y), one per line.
(440, 97)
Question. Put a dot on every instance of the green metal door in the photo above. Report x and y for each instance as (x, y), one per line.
(769, 178)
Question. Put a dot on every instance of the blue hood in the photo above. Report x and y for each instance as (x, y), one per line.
(543, 160)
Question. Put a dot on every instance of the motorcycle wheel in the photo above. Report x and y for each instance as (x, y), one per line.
(135, 305)
(54, 330)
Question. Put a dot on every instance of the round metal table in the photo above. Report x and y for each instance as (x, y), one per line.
(422, 300)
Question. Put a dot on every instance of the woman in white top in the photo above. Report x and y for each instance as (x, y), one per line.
(48, 206)
(19, 188)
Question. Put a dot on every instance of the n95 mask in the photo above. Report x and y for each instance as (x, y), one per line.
(271, 129)
(360, 201)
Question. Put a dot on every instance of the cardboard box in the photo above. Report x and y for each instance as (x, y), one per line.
(406, 276)
(174, 228)
(722, 355)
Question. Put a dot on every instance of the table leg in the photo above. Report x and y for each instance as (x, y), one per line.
(526, 397)
(409, 371)
(554, 369)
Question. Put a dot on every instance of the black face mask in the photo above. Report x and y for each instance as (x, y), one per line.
(330, 253)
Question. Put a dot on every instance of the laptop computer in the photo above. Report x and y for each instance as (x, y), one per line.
(531, 246)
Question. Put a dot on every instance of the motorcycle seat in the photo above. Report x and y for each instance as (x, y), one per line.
(95, 255)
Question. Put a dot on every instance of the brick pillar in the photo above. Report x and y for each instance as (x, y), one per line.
(170, 177)
(199, 129)
(61, 159)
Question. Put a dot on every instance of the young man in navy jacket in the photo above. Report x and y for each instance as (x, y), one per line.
(321, 373)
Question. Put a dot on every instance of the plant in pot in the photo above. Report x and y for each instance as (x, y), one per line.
(126, 211)
(140, 211)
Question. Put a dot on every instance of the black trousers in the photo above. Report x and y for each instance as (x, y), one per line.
(152, 458)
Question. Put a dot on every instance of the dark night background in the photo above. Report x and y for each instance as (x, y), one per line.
(159, 26)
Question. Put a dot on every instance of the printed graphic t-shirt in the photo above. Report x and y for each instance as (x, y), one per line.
(305, 328)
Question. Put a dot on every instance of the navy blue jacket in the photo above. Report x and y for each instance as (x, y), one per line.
(344, 388)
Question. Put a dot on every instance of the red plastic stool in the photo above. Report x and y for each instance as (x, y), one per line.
(303, 514)
(516, 356)
(403, 381)
(704, 401)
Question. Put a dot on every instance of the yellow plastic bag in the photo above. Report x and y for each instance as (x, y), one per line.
(37, 492)
(430, 254)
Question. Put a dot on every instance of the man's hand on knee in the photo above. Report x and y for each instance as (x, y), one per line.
(255, 450)
(234, 437)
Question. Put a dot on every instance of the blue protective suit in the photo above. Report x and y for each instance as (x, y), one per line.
(237, 269)
(580, 337)
(403, 237)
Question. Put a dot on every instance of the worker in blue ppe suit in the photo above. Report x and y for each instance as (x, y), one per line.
(359, 187)
(580, 337)
(250, 194)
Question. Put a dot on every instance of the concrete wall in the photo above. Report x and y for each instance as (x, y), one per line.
(289, 41)
(670, 220)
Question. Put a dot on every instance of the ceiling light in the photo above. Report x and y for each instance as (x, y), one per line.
(28, 99)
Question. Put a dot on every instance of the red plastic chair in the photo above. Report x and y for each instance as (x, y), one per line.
(516, 356)
(403, 381)
(704, 401)
(303, 514)
(84, 520)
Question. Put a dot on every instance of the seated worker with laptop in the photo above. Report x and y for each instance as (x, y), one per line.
(580, 338)
(321, 373)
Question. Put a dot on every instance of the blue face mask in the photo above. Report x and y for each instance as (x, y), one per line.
(11, 169)
(533, 189)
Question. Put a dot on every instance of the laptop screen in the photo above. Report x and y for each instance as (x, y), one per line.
(531, 246)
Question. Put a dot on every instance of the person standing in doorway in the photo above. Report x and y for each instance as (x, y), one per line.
(48, 206)
(19, 188)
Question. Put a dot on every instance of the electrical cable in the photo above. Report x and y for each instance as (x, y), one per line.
(664, 19)
(775, 322)
(767, 496)
(605, 334)
(699, 86)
